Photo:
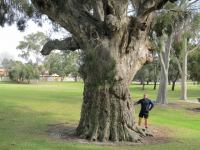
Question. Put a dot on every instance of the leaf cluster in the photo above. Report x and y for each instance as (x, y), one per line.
(98, 67)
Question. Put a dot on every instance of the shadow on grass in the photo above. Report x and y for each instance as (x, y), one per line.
(66, 132)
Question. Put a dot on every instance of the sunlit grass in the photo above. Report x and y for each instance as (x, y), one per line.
(27, 110)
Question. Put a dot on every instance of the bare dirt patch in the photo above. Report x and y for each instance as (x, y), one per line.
(65, 131)
(195, 109)
(185, 105)
(161, 135)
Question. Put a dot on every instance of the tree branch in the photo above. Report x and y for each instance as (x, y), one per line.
(179, 65)
(177, 61)
(149, 6)
(135, 4)
(98, 9)
(193, 2)
(70, 14)
(162, 62)
(195, 48)
(66, 44)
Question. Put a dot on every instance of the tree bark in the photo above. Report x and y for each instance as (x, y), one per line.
(155, 84)
(165, 42)
(155, 76)
(143, 85)
(107, 114)
(173, 85)
(184, 71)
(174, 81)
(76, 78)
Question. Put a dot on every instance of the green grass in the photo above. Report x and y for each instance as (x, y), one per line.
(26, 111)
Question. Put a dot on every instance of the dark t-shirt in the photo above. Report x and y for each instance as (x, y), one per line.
(146, 105)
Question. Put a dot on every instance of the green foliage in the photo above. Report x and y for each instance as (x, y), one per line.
(173, 73)
(194, 65)
(7, 63)
(178, 47)
(149, 72)
(143, 74)
(32, 45)
(19, 12)
(22, 73)
(97, 67)
(164, 23)
(63, 64)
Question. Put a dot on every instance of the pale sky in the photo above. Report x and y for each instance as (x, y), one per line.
(10, 37)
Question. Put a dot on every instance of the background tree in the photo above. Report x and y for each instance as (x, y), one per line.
(187, 40)
(168, 25)
(163, 39)
(193, 65)
(23, 73)
(156, 69)
(142, 75)
(174, 74)
(72, 64)
(63, 64)
(54, 64)
(116, 44)
(31, 46)
(7, 63)
(147, 73)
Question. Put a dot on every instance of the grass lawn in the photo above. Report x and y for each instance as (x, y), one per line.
(27, 110)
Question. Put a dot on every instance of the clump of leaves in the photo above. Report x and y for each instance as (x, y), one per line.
(97, 67)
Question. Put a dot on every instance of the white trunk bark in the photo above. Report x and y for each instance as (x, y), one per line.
(184, 72)
(165, 42)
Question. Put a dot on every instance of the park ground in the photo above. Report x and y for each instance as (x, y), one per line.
(29, 112)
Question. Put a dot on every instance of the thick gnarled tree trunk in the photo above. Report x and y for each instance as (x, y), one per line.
(115, 46)
(107, 114)
(107, 111)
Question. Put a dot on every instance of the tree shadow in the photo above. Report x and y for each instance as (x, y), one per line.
(66, 131)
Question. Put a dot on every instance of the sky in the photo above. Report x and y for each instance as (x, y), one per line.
(10, 37)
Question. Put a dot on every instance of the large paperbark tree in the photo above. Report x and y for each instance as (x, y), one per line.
(115, 46)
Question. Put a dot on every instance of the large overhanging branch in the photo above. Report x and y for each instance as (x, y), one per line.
(71, 14)
(66, 44)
